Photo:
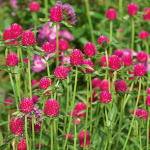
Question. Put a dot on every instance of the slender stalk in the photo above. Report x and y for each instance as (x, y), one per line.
(8, 124)
(57, 46)
(86, 115)
(55, 136)
(16, 143)
(133, 115)
(30, 135)
(72, 105)
(26, 131)
(148, 132)
(120, 8)
(90, 21)
(33, 136)
(140, 137)
(34, 16)
(46, 8)
(51, 136)
(75, 136)
(111, 28)
(132, 44)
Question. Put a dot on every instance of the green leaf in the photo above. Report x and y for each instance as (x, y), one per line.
(50, 88)
(104, 44)
(88, 67)
(65, 83)
(5, 122)
(52, 25)
(7, 103)
(81, 112)
(94, 103)
(16, 113)
(3, 146)
(42, 118)
(98, 73)
(53, 57)
(44, 20)
(66, 24)
(38, 48)
(29, 52)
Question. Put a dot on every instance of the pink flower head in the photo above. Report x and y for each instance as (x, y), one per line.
(148, 90)
(21, 145)
(63, 44)
(79, 107)
(74, 114)
(103, 61)
(143, 113)
(16, 127)
(28, 38)
(118, 52)
(61, 72)
(121, 86)
(35, 99)
(142, 56)
(111, 14)
(77, 121)
(120, 30)
(147, 15)
(69, 136)
(8, 101)
(94, 97)
(114, 62)
(51, 108)
(148, 101)
(34, 82)
(143, 35)
(89, 63)
(26, 105)
(105, 85)
(105, 97)
(127, 60)
(12, 59)
(81, 138)
(56, 14)
(128, 52)
(48, 47)
(76, 57)
(45, 83)
(89, 49)
(15, 30)
(132, 9)
(34, 6)
(102, 38)
(37, 145)
(96, 83)
(37, 127)
(139, 70)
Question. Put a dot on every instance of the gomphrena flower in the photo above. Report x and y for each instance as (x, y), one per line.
(118, 52)
(21, 145)
(28, 38)
(127, 60)
(96, 83)
(139, 70)
(143, 114)
(16, 127)
(34, 6)
(37, 127)
(8, 101)
(51, 108)
(89, 49)
(94, 97)
(132, 9)
(148, 90)
(77, 121)
(76, 57)
(102, 38)
(61, 72)
(148, 101)
(70, 136)
(45, 83)
(103, 61)
(48, 47)
(142, 56)
(143, 35)
(81, 138)
(74, 114)
(121, 86)
(89, 63)
(35, 98)
(105, 85)
(111, 14)
(63, 45)
(34, 82)
(120, 30)
(15, 30)
(79, 107)
(105, 97)
(114, 62)
(147, 15)
(56, 14)
(12, 59)
(26, 105)
(37, 145)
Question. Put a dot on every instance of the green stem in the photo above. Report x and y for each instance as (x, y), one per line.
(72, 105)
(34, 16)
(111, 28)
(55, 136)
(132, 44)
(51, 136)
(57, 46)
(120, 8)
(46, 8)
(33, 136)
(140, 137)
(134, 114)
(89, 20)
(86, 115)
(26, 131)
(8, 124)
(30, 135)
(16, 143)
(75, 136)
(147, 132)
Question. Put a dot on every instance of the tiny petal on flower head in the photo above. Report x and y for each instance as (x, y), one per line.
(48, 47)
(142, 56)
(79, 107)
(96, 83)
(114, 62)
(139, 70)
(89, 49)
(105, 85)
(105, 97)
(45, 83)
(34, 6)
(111, 14)
(143, 35)
(89, 63)
(70, 136)
(61, 72)
(132, 9)
(103, 61)
(21, 145)
(102, 38)
(12, 59)
(147, 15)
(118, 52)
(121, 86)
(127, 60)
(8, 101)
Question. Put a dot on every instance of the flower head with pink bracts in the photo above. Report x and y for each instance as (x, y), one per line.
(89, 63)
(148, 90)
(37, 127)
(61, 72)
(115, 62)
(139, 70)
(96, 83)
(111, 14)
(132, 9)
(76, 57)
(94, 97)
(16, 127)
(147, 15)
(70, 136)
(102, 38)
(37, 145)
(35, 98)
(33, 83)
(12, 59)
(21, 145)
(89, 49)
(81, 138)
(51, 108)
(28, 38)
(105, 97)
(121, 86)
(48, 47)
(142, 56)
(63, 44)
(103, 61)
(148, 101)
(45, 82)
(34, 6)
(26, 105)
(8, 101)
(74, 114)
(143, 35)
(141, 113)
(118, 52)
(79, 107)
(105, 85)
(127, 60)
